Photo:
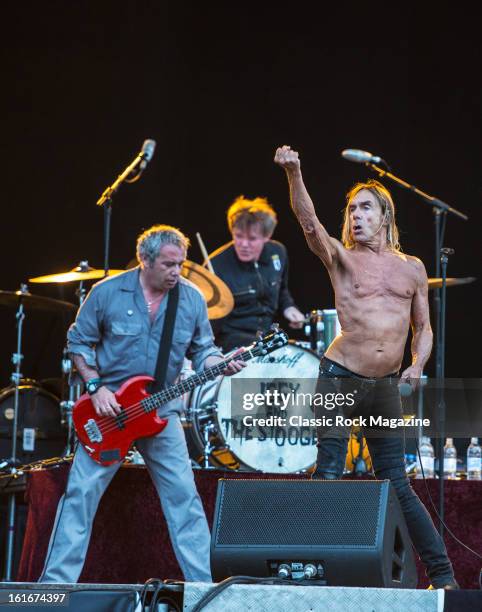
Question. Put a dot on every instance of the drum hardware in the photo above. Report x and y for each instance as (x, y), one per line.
(16, 377)
(331, 326)
(207, 445)
(34, 302)
(211, 440)
(17, 358)
(66, 406)
(360, 466)
(358, 460)
(134, 457)
(321, 327)
(436, 283)
(208, 429)
(314, 330)
(82, 272)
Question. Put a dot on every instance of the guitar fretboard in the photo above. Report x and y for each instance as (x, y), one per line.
(166, 395)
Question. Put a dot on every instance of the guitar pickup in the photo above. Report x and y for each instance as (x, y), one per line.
(93, 431)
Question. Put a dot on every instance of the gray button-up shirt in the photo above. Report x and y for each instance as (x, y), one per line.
(114, 334)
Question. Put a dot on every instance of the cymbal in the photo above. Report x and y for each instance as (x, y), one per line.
(436, 283)
(217, 294)
(80, 273)
(35, 302)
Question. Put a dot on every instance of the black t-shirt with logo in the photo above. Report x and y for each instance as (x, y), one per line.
(260, 291)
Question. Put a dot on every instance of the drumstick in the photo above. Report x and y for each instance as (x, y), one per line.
(205, 253)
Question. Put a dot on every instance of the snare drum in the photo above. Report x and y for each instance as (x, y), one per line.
(274, 449)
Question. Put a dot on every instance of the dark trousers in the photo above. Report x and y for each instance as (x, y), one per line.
(387, 450)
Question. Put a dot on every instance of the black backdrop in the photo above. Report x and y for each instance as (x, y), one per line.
(219, 85)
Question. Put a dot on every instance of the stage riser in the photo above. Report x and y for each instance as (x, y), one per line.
(271, 598)
(253, 598)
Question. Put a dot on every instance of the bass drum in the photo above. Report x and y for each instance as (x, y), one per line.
(40, 434)
(210, 425)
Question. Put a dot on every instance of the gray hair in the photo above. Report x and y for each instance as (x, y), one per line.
(150, 242)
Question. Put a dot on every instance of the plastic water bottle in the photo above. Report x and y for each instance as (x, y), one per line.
(428, 459)
(450, 459)
(474, 460)
(410, 465)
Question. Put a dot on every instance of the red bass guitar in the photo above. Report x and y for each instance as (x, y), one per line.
(108, 439)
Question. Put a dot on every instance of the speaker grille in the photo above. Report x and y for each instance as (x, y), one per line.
(301, 513)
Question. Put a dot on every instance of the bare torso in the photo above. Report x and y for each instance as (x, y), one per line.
(373, 298)
(379, 292)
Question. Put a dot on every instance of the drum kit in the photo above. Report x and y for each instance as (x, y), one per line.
(41, 417)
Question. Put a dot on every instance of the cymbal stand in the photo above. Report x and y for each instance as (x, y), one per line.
(16, 377)
(207, 446)
(75, 388)
(66, 406)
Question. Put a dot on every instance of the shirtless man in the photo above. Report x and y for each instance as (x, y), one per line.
(379, 292)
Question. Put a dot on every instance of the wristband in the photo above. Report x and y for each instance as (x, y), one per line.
(93, 385)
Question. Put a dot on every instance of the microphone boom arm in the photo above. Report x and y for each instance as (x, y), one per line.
(109, 192)
(433, 201)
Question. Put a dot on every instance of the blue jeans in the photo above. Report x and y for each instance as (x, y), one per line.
(379, 397)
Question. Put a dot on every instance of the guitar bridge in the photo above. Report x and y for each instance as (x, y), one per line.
(93, 431)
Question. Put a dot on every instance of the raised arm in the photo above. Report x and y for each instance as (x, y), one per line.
(318, 239)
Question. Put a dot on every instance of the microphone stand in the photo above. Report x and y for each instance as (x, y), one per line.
(440, 210)
(444, 255)
(105, 200)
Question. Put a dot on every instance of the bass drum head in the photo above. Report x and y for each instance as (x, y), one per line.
(267, 449)
(40, 434)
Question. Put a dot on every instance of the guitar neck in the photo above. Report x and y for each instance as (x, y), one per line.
(166, 395)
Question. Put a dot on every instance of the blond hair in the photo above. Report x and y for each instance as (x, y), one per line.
(244, 213)
(384, 199)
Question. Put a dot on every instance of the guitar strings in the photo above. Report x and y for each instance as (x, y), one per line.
(107, 424)
(133, 412)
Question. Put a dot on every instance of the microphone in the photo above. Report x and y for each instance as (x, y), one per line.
(147, 152)
(135, 168)
(360, 157)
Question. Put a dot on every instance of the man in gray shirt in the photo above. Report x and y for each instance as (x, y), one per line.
(116, 336)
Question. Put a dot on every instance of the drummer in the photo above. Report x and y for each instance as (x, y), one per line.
(255, 268)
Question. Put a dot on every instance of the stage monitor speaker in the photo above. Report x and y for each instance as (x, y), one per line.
(353, 532)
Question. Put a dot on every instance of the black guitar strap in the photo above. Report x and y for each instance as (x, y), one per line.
(166, 340)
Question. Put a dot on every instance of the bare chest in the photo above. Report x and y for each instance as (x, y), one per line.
(388, 278)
